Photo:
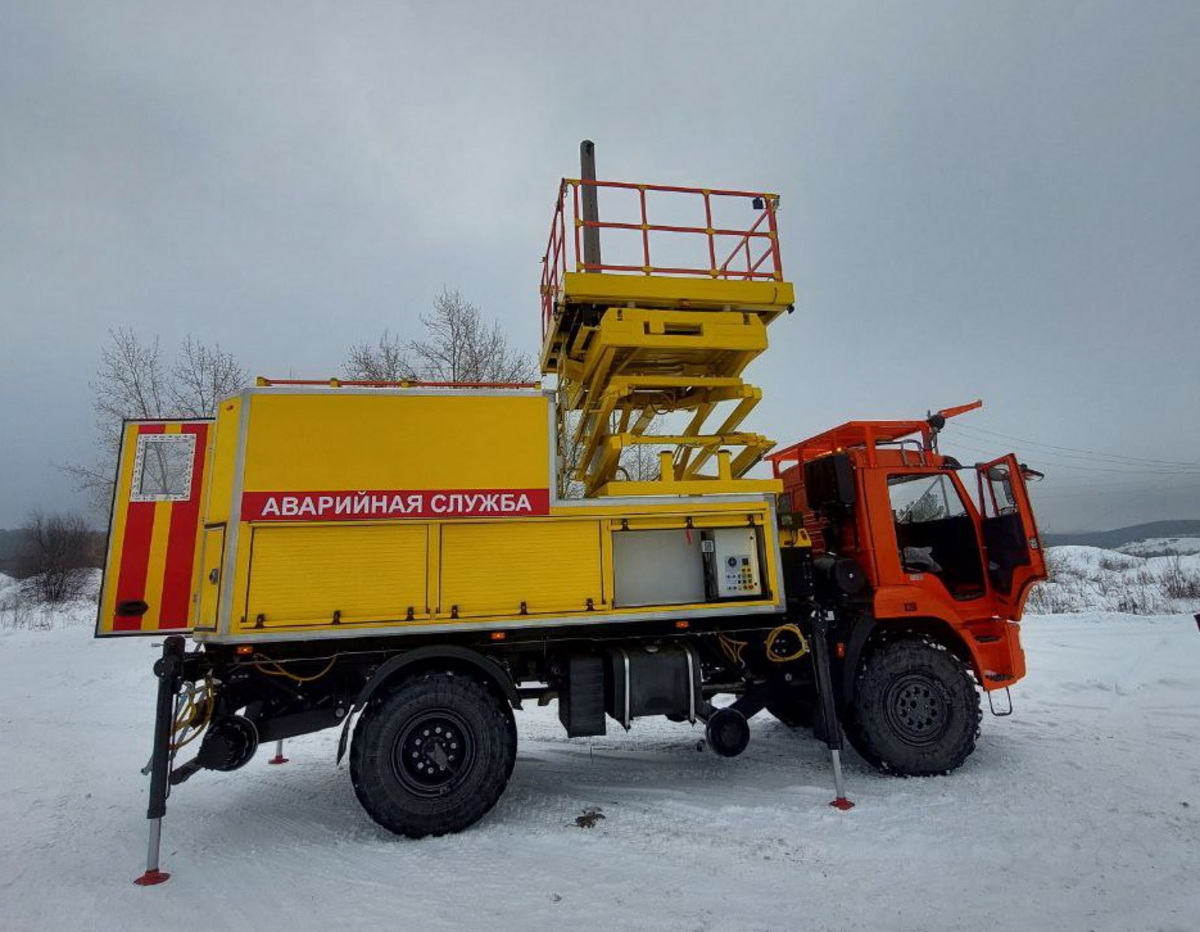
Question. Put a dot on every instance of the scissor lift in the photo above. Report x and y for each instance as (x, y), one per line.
(665, 323)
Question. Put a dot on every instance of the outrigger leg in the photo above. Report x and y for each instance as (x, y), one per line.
(833, 727)
(278, 758)
(169, 670)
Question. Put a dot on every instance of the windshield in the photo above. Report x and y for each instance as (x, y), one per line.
(916, 499)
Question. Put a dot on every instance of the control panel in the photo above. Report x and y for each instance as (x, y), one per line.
(731, 563)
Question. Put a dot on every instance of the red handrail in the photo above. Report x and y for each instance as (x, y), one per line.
(398, 383)
(746, 262)
(555, 260)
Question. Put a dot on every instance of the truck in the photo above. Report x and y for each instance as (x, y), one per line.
(411, 563)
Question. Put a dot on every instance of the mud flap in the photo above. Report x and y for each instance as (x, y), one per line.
(344, 739)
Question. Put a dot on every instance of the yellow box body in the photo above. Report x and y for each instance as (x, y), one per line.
(347, 512)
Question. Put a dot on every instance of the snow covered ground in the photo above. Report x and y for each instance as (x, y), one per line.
(1099, 580)
(1079, 812)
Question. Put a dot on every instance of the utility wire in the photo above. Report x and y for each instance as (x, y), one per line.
(1079, 452)
(1117, 467)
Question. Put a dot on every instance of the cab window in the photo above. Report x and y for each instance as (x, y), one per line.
(1003, 529)
(1001, 500)
(920, 498)
(935, 533)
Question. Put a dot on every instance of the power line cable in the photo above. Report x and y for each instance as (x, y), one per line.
(1078, 451)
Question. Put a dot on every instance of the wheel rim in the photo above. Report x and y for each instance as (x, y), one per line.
(917, 710)
(433, 753)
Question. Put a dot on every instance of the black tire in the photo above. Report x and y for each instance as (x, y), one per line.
(433, 755)
(916, 709)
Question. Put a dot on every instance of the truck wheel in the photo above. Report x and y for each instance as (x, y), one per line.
(916, 710)
(433, 755)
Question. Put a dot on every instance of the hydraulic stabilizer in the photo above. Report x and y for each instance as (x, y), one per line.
(169, 670)
(828, 705)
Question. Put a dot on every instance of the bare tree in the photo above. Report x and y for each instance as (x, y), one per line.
(202, 376)
(133, 382)
(459, 347)
(385, 361)
(462, 348)
(56, 553)
(130, 383)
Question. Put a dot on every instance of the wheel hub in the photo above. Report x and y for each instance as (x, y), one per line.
(916, 710)
(433, 753)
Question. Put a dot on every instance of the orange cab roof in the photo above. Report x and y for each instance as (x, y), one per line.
(862, 434)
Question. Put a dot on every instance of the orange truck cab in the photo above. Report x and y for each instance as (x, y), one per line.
(917, 543)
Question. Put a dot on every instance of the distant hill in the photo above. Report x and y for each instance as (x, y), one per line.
(1110, 540)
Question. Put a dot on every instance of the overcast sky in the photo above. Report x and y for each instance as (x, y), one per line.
(996, 200)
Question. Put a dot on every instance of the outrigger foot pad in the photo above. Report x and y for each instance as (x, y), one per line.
(842, 803)
(152, 877)
(278, 758)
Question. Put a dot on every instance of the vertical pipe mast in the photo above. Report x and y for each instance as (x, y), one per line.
(590, 205)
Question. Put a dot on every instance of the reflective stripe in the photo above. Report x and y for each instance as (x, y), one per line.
(135, 550)
(181, 543)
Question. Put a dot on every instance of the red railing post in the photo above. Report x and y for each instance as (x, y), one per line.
(708, 228)
(575, 223)
(645, 230)
(562, 226)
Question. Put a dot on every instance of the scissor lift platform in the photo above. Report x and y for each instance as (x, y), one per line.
(636, 336)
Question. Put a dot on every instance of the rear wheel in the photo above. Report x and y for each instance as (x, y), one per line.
(916, 709)
(433, 755)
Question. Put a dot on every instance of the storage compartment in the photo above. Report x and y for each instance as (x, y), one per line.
(505, 568)
(305, 574)
(657, 568)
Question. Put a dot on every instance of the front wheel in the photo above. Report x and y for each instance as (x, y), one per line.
(432, 755)
(916, 709)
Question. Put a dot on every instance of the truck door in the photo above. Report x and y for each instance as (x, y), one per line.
(935, 532)
(1010, 535)
(154, 528)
